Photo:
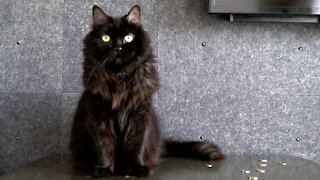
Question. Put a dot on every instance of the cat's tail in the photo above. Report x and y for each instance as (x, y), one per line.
(199, 150)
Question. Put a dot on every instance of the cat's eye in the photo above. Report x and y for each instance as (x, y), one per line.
(106, 38)
(128, 38)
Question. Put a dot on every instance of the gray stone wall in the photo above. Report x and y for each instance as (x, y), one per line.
(254, 88)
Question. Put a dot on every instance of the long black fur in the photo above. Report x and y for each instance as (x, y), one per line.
(115, 129)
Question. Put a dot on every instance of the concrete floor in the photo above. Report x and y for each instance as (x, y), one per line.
(59, 168)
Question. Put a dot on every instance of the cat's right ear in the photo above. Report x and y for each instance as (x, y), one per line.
(99, 17)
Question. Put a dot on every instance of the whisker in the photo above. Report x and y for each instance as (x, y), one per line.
(100, 65)
(109, 62)
(93, 70)
(103, 64)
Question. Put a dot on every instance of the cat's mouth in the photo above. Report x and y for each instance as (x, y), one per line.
(118, 61)
(115, 61)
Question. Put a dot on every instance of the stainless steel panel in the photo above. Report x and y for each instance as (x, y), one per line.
(274, 18)
(265, 6)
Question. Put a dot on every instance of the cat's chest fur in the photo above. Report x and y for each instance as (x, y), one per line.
(125, 90)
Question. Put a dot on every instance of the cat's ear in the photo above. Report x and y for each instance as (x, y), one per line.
(99, 17)
(134, 16)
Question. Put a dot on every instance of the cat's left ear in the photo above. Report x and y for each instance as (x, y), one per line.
(134, 16)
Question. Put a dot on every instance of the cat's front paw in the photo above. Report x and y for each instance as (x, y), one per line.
(141, 171)
(99, 172)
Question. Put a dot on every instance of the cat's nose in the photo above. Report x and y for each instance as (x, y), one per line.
(118, 49)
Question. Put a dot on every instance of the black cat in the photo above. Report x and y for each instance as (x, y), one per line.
(115, 129)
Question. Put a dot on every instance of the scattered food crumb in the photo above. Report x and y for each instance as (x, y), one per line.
(282, 163)
(245, 171)
(261, 170)
(252, 178)
(262, 165)
(209, 165)
(263, 160)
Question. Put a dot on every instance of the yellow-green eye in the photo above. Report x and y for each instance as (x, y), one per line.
(106, 38)
(128, 38)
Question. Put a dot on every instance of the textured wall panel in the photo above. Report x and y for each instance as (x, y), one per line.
(69, 104)
(31, 46)
(204, 86)
(233, 89)
(286, 125)
(252, 88)
(29, 128)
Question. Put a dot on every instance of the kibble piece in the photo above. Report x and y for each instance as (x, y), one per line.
(262, 165)
(261, 170)
(282, 163)
(245, 171)
(252, 178)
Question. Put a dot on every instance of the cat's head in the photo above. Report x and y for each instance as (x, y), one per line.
(116, 42)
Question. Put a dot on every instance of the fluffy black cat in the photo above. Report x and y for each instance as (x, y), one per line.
(115, 128)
